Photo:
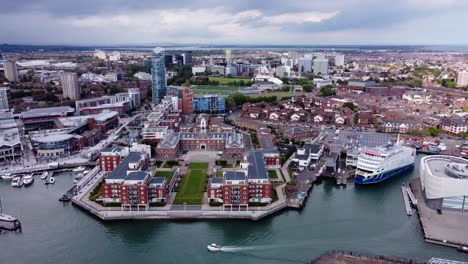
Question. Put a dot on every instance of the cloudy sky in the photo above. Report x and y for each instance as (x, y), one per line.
(306, 22)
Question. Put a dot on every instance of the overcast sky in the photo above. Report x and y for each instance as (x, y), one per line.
(301, 22)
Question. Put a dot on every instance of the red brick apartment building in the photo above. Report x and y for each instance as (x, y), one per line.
(129, 185)
(111, 157)
(239, 188)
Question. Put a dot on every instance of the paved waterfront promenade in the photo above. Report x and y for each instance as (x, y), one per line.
(81, 199)
(448, 228)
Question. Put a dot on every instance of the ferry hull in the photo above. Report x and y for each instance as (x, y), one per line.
(359, 179)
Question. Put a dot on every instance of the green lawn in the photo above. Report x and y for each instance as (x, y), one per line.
(272, 174)
(224, 80)
(279, 95)
(198, 166)
(165, 174)
(193, 185)
(219, 174)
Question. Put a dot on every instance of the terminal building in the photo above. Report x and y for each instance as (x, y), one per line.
(444, 182)
(250, 184)
(308, 153)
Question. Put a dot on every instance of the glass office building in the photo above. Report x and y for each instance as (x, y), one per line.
(158, 75)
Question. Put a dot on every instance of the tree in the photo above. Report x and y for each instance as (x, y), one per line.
(463, 134)
(350, 106)
(308, 87)
(433, 131)
(326, 91)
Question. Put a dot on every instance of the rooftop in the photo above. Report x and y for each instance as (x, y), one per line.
(137, 176)
(48, 111)
(257, 168)
(234, 175)
(106, 115)
(120, 172)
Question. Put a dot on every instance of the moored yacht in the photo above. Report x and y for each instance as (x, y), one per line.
(79, 169)
(17, 182)
(28, 179)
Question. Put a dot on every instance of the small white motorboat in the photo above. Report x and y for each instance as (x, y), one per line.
(44, 175)
(51, 180)
(7, 176)
(28, 179)
(86, 171)
(17, 182)
(213, 247)
(79, 169)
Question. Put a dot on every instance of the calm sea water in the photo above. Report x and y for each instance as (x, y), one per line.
(366, 219)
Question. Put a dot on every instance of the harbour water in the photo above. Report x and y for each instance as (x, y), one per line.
(364, 219)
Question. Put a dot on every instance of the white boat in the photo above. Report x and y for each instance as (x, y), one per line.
(51, 180)
(28, 179)
(79, 169)
(213, 247)
(17, 182)
(7, 176)
(378, 164)
(79, 176)
(86, 171)
(75, 181)
(44, 175)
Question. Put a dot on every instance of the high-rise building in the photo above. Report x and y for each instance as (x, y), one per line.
(320, 66)
(70, 86)
(462, 79)
(11, 72)
(168, 60)
(4, 98)
(339, 60)
(228, 56)
(158, 73)
(188, 57)
(304, 64)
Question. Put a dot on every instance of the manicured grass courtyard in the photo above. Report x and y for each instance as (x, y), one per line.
(279, 95)
(193, 185)
(165, 174)
(272, 174)
(215, 89)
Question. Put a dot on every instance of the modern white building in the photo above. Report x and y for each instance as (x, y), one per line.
(308, 153)
(283, 71)
(321, 66)
(70, 86)
(198, 69)
(135, 97)
(462, 79)
(114, 56)
(444, 181)
(339, 60)
(100, 54)
(11, 72)
(4, 98)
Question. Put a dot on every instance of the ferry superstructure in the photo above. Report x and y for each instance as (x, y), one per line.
(378, 164)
